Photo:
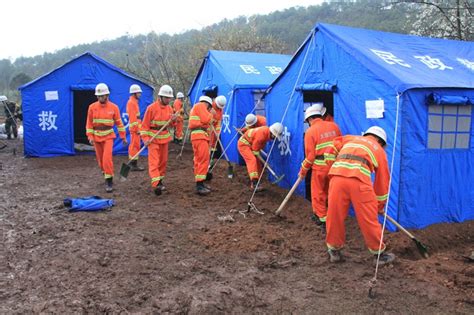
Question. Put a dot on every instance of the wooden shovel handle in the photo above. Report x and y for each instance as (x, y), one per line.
(288, 196)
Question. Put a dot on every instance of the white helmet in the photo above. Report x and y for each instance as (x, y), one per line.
(3, 98)
(180, 95)
(102, 89)
(206, 99)
(311, 111)
(323, 111)
(377, 131)
(276, 129)
(166, 91)
(250, 120)
(135, 88)
(221, 101)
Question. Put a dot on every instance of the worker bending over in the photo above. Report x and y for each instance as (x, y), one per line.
(254, 121)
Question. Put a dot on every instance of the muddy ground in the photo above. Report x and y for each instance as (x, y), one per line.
(174, 254)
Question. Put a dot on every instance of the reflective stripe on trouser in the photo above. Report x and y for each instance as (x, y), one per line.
(319, 192)
(201, 159)
(134, 145)
(342, 192)
(254, 167)
(157, 160)
(178, 130)
(103, 154)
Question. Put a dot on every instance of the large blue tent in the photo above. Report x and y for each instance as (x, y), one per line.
(55, 105)
(242, 77)
(420, 90)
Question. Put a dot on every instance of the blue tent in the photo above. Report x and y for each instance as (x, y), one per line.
(55, 105)
(420, 90)
(242, 77)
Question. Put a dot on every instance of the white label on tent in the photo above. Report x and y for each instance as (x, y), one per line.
(51, 95)
(374, 108)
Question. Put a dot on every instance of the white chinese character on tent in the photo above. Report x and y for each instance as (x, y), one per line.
(390, 58)
(125, 119)
(47, 120)
(284, 144)
(467, 63)
(249, 69)
(225, 122)
(433, 63)
(274, 69)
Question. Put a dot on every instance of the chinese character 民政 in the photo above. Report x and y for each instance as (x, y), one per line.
(390, 58)
(469, 64)
(47, 120)
(284, 144)
(433, 63)
(274, 69)
(249, 69)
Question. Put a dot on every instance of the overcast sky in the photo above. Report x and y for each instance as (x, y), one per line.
(32, 27)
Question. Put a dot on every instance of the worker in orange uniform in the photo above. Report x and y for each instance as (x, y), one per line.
(253, 121)
(249, 147)
(200, 119)
(156, 116)
(350, 182)
(326, 115)
(178, 108)
(319, 156)
(101, 118)
(218, 106)
(134, 125)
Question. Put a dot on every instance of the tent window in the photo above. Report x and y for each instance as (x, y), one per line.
(449, 126)
(259, 104)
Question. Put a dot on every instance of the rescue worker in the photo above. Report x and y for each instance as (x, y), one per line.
(11, 126)
(254, 121)
(319, 156)
(200, 118)
(249, 147)
(218, 106)
(156, 116)
(101, 118)
(133, 111)
(326, 115)
(350, 182)
(178, 107)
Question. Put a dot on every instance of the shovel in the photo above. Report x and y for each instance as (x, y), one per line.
(292, 190)
(278, 178)
(421, 247)
(125, 169)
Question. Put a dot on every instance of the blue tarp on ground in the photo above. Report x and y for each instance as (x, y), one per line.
(242, 77)
(393, 77)
(50, 112)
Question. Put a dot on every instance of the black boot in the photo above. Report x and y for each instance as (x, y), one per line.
(134, 166)
(201, 189)
(109, 185)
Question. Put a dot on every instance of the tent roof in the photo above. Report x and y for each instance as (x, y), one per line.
(245, 69)
(97, 58)
(405, 61)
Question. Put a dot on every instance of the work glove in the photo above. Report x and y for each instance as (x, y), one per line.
(124, 141)
(91, 141)
(302, 173)
(381, 207)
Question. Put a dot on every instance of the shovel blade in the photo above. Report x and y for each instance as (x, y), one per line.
(278, 179)
(421, 248)
(124, 170)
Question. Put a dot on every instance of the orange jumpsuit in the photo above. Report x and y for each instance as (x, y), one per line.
(178, 127)
(249, 147)
(320, 155)
(199, 122)
(157, 115)
(134, 125)
(350, 182)
(99, 128)
(328, 117)
(217, 122)
(261, 121)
